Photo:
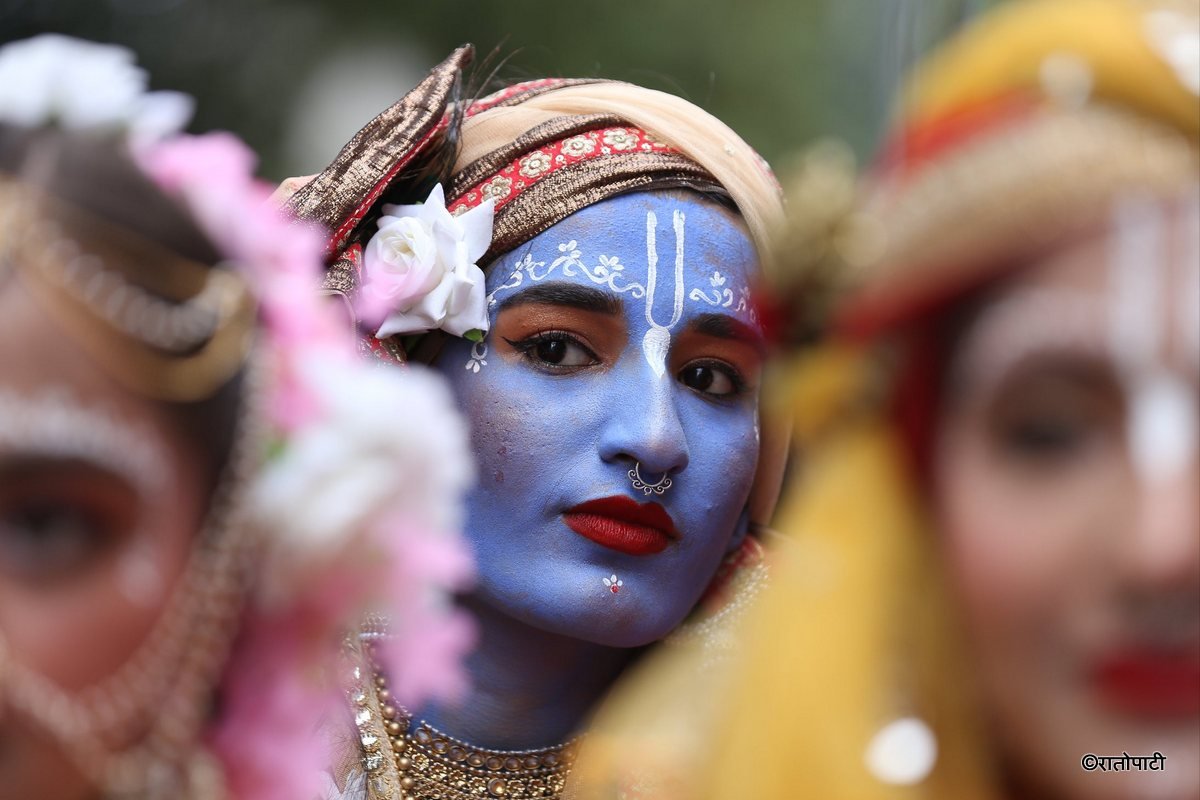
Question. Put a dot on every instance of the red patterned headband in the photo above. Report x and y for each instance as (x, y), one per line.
(522, 173)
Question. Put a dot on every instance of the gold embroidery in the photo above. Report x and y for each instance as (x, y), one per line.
(620, 139)
(407, 761)
(497, 188)
(535, 164)
(578, 146)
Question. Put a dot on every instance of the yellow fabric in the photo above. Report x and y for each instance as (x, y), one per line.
(1008, 50)
(854, 634)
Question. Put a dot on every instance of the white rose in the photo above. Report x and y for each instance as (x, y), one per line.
(403, 260)
(423, 260)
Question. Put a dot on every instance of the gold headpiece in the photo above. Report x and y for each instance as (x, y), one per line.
(164, 326)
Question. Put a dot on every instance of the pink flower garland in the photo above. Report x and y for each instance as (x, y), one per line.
(280, 697)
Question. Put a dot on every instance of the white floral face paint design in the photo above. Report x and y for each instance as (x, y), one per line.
(718, 295)
(609, 272)
(478, 359)
(614, 584)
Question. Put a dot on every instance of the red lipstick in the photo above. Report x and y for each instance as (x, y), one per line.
(1149, 683)
(624, 525)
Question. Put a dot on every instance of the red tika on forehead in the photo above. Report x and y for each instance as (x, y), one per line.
(525, 171)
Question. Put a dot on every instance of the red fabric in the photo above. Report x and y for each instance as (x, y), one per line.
(719, 591)
(917, 398)
(523, 172)
(929, 139)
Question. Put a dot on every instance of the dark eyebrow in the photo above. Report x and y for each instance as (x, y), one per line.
(566, 294)
(722, 326)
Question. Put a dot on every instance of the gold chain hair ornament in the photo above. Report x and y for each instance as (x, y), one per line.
(165, 327)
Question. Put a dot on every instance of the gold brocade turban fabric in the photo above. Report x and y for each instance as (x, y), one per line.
(1022, 130)
(541, 150)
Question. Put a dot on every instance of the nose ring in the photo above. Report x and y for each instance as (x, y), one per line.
(635, 475)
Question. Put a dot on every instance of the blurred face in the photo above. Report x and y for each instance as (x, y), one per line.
(98, 505)
(1069, 500)
(614, 412)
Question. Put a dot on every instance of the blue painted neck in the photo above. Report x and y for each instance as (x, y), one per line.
(530, 689)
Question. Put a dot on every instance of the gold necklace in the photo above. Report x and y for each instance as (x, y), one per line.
(431, 765)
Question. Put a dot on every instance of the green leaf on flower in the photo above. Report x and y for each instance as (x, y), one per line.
(275, 448)
(474, 335)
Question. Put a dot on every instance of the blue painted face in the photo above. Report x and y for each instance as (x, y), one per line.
(623, 355)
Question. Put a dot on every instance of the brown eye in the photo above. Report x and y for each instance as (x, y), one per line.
(714, 379)
(1054, 415)
(552, 351)
(555, 350)
(37, 539)
(56, 521)
(1045, 437)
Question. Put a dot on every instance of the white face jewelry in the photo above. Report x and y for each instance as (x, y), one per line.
(1024, 322)
(133, 310)
(55, 425)
(640, 484)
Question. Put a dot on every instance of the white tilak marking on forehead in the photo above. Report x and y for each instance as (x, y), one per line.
(1161, 428)
(657, 341)
(1134, 292)
(55, 425)
(1189, 296)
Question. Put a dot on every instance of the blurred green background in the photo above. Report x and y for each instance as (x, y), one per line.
(296, 79)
